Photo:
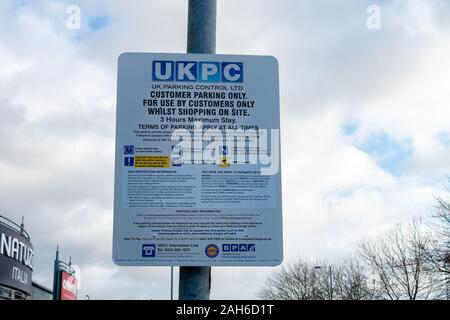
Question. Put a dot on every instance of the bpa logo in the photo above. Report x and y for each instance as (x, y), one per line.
(148, 250)
(247, 247)
(203, 71)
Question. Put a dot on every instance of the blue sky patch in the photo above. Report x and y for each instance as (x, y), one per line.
(98, 22)
(390, 154)
(20, 3)
(444, 138)
(350, 128)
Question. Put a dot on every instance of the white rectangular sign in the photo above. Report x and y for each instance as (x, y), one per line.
(197, 172)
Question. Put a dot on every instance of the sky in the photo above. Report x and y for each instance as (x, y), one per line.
(365, 123)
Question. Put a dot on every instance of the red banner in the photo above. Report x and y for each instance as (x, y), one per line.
(68, 286)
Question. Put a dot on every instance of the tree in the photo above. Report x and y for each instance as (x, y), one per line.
(399, 263)
(293, 282)
(408, 262)
(351, 281)
(439, 251)
(313, 281)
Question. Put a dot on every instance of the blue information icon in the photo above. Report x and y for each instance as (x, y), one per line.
(224, 150)
(148, 250)
(129, 162)
(128, 149)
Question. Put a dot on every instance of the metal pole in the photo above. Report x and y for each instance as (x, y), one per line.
(22, 225)
(331, 284)
(447, 277)
(202, 26)
(56, 275)
(195, 282)
(171, 282)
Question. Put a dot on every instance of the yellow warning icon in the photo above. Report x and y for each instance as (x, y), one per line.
(224, 162)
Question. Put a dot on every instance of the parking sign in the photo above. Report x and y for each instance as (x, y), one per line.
(197, 171)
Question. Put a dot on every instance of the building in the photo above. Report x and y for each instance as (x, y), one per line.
(39, 292)
(16, 265)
